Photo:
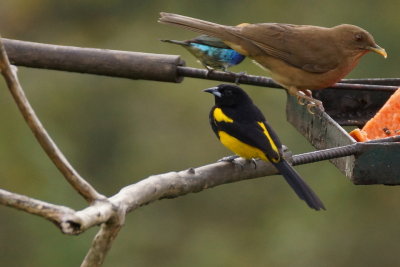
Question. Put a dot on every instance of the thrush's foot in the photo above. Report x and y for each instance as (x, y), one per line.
(315, 104)
(301, 98)
(308, 92)
(305, 96)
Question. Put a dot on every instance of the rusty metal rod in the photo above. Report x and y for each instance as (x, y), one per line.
(146, 66)
(267, 82)
(374, 81)
(227, 77)
(337, 152)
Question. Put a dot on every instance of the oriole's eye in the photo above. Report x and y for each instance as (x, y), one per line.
(228, 92)
(358, 37)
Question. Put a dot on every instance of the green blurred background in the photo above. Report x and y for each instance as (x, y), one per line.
(118, 131)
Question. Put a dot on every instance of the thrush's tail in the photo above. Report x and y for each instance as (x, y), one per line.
(299, 185)
(198, 25)
(176, 42)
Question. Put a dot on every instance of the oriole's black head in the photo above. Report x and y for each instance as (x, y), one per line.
(229, 95)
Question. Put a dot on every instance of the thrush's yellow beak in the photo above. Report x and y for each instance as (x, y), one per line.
(379, 50)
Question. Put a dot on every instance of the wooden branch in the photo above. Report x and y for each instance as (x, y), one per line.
(131, 197)
(192, 180)
(54, 213)
(103, 240)
(51, 149)
(161, 186)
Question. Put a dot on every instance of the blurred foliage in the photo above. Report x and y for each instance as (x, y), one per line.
(117, 131)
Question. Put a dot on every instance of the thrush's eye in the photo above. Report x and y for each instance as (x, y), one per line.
(358, 37)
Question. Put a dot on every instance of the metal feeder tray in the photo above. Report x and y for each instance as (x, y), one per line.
(377, 163)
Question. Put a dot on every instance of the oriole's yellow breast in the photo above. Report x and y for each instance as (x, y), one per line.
(238, 147)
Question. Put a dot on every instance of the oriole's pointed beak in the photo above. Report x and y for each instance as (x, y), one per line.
(213, 90)
(379, 50)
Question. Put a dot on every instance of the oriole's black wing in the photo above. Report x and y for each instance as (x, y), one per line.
(253, 133)
(249, 126)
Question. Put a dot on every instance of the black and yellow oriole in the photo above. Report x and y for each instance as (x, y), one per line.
(242, 128)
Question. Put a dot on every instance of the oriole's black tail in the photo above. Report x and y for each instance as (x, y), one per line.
(299, 185)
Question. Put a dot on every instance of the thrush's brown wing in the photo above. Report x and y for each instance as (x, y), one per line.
(310, 48)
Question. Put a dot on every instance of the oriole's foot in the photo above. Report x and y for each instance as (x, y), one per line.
(229, 158)
(254, 161)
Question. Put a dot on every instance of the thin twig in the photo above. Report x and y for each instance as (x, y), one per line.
(103, 241)
(51, 149)
(51, 212)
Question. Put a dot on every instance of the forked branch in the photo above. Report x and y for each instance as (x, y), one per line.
(71, 175)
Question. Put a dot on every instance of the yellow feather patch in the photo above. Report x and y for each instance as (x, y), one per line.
(220, 116)
(273, 145)
(238, 147)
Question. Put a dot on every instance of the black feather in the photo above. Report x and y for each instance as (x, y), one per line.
(298, 185)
